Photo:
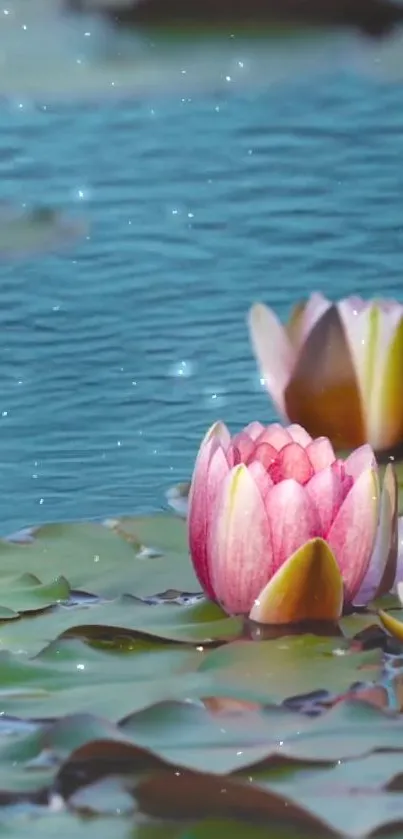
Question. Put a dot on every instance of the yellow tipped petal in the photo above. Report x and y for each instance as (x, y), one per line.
(392, 625)
(308, 586)
(390, 426)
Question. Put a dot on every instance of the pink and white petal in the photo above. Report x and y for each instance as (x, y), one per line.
(273, 351)
(276, 435)
(217, 431)
(317, 305)
(211, 463)
(293, 519)
(381, 573)
(299, 435)
(254, 429)
(353, 532)
(321, 453)
(308, 587)
(359, 460)
(261, 477)
(327, 494)
(292, 462)
(240, 545)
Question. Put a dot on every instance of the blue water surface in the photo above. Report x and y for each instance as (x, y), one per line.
(118, 353)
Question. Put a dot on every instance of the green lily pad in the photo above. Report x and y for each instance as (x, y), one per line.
(270, 671)
(95, 559)
(192, 737)
(201, 624)
(71, 677)
(26, 593)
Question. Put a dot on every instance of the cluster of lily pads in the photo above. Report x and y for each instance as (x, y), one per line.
(235, 670)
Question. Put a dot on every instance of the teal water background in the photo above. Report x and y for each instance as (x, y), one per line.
(117, 353)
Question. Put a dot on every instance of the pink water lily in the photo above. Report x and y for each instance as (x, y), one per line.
(336, 368)
(282, 530)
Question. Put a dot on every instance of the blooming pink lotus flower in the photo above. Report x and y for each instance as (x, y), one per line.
(336, 368)
(282, 530)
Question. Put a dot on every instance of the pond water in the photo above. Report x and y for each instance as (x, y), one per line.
(117, 352)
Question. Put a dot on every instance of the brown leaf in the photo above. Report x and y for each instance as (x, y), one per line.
(100, 758)
(186, 794)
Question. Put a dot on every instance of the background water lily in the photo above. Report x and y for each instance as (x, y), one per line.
(282, 530)
(335, 368)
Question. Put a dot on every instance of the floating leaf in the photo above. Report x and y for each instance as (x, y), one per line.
(275, 670)
(25, 233)
(26, 593)
(96, 559)
(203, 624)
(71, 677)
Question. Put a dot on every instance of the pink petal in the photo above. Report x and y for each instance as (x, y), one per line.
(276, 435)
(265, 454)
(273, 351)
(327, 493)
(240, 545)
(381, 573)
(262, 478)
(293, 519)
(320, 453)
(292, 462)
(254, 429)
(299, 435)
(242, 448)
(352, 534)
(359, 460)
(210, 469)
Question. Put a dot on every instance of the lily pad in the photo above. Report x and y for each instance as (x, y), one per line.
(70, 677)
(27, 232)
(96, 559)
(26, 593)
(202, 624)
(275, 670)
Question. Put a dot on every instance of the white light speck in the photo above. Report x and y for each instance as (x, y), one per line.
(4, 413)
(96, 557)
(181, 370)
(80, 666)
(228, 78)
(41, 500)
